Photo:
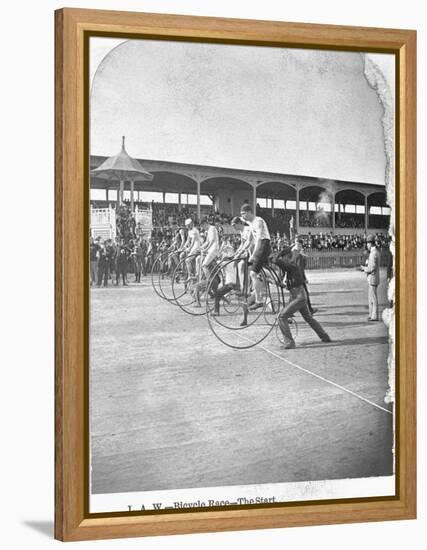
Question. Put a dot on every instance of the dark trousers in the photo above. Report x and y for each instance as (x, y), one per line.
(102, 275)
(148, 263)
(220, 292)
(310, 307)
(93, 272)
(138, 269)
(298, 302)
(112, 269)
(121, 270)
(203, 285)
(172, 263)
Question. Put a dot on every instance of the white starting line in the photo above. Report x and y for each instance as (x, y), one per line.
(318, 376)
(342, 388)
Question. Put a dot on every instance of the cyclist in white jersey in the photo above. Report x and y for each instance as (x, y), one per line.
(245, 248)
(210, 247)
(192, 245)
(261, 250)
(226, 252)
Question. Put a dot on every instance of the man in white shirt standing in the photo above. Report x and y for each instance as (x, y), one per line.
(372, 270)
(261, 251)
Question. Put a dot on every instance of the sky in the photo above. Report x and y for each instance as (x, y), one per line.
(291, 111)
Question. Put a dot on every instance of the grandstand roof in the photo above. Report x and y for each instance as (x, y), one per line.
(173, 177)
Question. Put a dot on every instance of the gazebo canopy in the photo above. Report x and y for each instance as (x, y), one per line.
(122, 167)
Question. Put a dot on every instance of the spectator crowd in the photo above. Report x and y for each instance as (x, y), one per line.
(134, 251)
(165, 216)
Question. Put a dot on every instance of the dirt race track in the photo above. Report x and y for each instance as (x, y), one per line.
(172, 407)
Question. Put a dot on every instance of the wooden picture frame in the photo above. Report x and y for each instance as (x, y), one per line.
(72, 520)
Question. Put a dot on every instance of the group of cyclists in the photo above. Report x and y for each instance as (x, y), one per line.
(242, 275)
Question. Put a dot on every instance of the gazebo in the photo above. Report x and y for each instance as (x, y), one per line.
(122, 168)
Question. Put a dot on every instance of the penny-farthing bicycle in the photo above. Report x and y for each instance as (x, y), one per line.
(167, 274)
(162, 274)
(228, 310)
(156, 270)
(189, 284)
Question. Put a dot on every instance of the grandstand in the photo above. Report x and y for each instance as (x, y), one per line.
(179, 190)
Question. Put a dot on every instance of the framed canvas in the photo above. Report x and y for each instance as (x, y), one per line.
(235, 274)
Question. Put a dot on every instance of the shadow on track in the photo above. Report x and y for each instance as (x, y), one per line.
(372, 341)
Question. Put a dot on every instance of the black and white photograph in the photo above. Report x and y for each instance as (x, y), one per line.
(241, 300)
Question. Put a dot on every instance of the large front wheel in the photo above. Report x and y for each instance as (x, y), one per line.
(166, 274)
(231, 318)
(189, 285)
(155, 274)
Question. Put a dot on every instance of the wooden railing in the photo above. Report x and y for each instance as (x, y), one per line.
(345, 258)
(103, 222)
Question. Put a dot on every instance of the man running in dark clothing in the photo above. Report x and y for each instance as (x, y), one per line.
(300, 260)
(298, 299)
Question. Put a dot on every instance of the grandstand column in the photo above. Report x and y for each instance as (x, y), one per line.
(179, 202)
(254, 197)
(366, 214)
(132, 191)
(122, 190)
(198, 198)
(297, 211)
(333, 212)
(272, 208)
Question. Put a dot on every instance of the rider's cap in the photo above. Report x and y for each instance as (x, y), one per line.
(188, 221)
(235, 220)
